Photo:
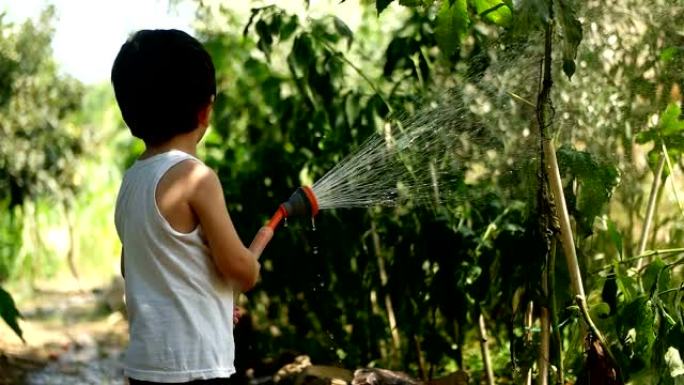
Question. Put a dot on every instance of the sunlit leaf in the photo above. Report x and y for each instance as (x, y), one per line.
(669, 53)
(494, 11)
(669, 122)
(451, 25)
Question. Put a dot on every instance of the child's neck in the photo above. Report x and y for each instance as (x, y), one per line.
(185, 142)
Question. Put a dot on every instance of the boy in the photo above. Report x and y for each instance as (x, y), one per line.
(181, 255)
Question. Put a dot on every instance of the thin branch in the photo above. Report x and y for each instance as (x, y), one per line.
(651, 253)
(673, 182)
(673, 290)
(650, 210)
(486, 358)
(528, 336)
(360, 73)
(584, 311)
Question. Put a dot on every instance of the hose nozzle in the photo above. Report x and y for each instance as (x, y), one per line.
(301, 203)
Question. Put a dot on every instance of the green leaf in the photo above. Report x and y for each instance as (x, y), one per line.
(288, 27)
(628, 286)
(9, 312)
(572, 36)
(646, 136)
(597, 180)
(636, 328)
(615, 236)
(569, 67)
(343, 30)
(451, 25)
(303, 52)
(494, 11)
(669, 122)
(669, 53)
(658, 273)
(380, 5)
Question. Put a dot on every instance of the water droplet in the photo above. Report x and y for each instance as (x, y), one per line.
(315, 250)
(285, 222)
(313, 224)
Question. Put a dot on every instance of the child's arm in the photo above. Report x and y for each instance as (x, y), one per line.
(233, 259)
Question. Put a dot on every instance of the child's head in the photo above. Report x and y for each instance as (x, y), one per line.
(163, 80)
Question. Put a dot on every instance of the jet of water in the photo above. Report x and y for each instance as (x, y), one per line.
(413, 160)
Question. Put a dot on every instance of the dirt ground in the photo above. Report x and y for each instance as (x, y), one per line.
(72, 338)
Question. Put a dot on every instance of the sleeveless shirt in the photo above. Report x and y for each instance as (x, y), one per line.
(180, 309)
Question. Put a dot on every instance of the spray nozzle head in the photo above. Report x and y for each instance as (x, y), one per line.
(302, 203)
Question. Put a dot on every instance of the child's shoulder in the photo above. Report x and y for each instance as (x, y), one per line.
(191, 172)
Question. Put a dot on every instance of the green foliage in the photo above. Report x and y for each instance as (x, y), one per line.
(39, 147)
(595, 182)
(452, 25)
(669, 132)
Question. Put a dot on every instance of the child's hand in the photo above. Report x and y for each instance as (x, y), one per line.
(237, 314)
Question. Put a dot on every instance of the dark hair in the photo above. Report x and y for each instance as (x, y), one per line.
(162, 79)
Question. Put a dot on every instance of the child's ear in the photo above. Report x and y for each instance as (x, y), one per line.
(205, 114)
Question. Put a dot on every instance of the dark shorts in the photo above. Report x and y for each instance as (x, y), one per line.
(213, 381)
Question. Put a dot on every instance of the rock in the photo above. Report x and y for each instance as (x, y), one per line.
(376, 376)
(292, 369)
(324, 375)
(302, 372)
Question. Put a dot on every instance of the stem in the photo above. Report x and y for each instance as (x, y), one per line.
(485, 351)
(560, 380)
(544, 346)
(673, 181)
(394, 330)
(528, 336)
(421, 359)
(584, 311)
(564, 219)
(655, 222)
(651, 253)
(676, 289)
(359, 72)
(72, 250)
(650, 209)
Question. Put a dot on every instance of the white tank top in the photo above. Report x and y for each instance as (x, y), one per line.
(180, 310)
